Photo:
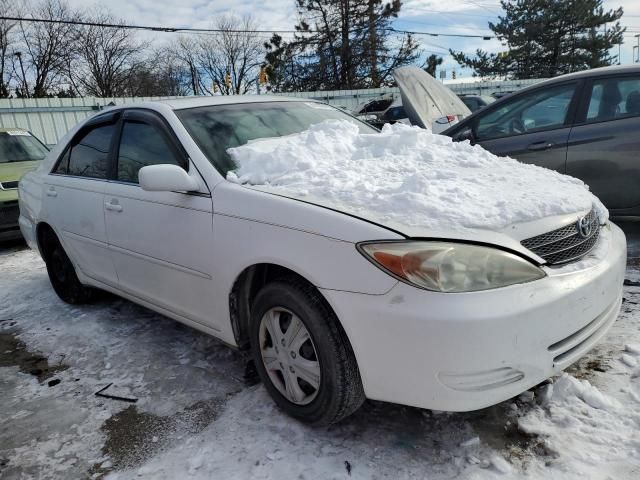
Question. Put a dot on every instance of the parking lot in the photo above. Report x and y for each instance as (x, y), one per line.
(179, 403)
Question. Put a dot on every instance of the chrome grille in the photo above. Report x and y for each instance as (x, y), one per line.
(565, 244)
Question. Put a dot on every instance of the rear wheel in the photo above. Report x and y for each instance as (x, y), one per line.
(302, 354)
(62, 273)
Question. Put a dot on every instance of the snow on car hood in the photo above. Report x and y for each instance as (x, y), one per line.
(409, 179)
(425, 99)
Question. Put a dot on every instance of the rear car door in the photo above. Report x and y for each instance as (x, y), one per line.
(604, 145)
(532, 127)
(161, 242)
(74, 193)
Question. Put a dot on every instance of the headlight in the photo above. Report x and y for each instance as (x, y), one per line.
(449, 266)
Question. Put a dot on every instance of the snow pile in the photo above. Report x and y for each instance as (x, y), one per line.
(409, 175)
(589, 431)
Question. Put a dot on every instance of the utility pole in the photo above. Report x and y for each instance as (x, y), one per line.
(636, 49)
(25, 88)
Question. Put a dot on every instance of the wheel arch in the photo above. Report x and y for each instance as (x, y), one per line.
(245, 288)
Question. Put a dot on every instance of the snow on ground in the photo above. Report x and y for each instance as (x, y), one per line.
(198, 417)
(410, 175)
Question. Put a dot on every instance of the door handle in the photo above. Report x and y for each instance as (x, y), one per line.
(113, 205)
(544, 145)
(51, 192)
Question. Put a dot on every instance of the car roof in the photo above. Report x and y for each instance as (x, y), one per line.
(12, 129)
(594, 72)
(204, 101)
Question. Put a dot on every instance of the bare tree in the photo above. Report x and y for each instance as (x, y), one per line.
(235, 54)
(105, 57)
(7, 41)
(173, 76)
(160, 75)
(185, 51)
(46, 47)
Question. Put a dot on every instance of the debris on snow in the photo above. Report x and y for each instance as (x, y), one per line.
(54, 382)
(410, 175)
(114, 396)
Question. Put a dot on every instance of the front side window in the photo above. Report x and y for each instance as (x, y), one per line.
(141, 145)
(88, 156)
(216, 128)
(614, 98)
(539, 110)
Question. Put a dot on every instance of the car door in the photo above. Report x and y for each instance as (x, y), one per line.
(160, 241)
(74, 193)
(532, 127)
(604, 145)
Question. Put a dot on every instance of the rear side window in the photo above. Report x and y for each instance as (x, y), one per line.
(88, 156)
(142, 144)
(614, 98)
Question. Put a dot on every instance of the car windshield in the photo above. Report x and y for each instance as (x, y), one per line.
(215, 128)
(19, 146)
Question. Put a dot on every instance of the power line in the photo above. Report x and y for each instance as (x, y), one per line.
(141, 27)
(460, 35)
(215, 30)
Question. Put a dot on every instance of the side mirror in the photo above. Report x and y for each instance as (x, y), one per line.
(166, 178)
(465, 134)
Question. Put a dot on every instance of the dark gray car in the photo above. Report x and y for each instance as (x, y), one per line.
(584, 124)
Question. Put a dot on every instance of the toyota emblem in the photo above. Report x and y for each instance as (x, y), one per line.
(585, 228)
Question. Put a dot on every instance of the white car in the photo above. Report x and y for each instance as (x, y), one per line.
(135, 201)
(426, 102)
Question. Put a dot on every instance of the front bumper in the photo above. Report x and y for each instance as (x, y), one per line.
(9, 213)
(466, 351)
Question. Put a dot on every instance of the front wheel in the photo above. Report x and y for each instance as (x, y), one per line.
(302, 354)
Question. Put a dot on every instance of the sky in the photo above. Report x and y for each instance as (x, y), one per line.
(435, 16)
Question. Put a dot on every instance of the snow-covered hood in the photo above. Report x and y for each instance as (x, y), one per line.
(415, 182)
(425, 99)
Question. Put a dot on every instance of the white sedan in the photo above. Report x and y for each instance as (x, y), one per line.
(334, 306)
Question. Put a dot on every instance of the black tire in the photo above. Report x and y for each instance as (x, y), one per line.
(340, 392)
(62, 274)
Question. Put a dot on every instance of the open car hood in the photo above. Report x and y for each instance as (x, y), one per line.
(425, 99)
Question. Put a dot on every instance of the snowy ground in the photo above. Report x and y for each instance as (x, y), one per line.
(198, 416)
